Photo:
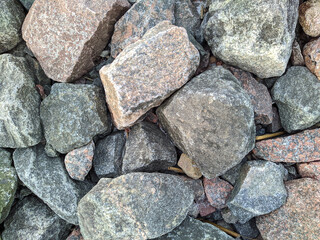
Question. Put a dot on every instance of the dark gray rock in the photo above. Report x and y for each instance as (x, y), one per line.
(107, 158)
(19, 109)
(32, 219)
(232, 174)
(259, 190)
(297, 95)
(191, 229)
(27, 3)
(48, 179)
(248, 229)
(134, 206)
(211, 119)
(148, 149)
(256, 36)
(72, 115)
(11, 19)
(204, 54)
(5, 158)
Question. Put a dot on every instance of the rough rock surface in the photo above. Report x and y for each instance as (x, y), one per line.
(19, 109)
(300, 216)
(47, 178)
(255, 36)
(297, 95)
(32, 219)
(148, 149)
(141, 17)
(300, 147)
(248, 229)
(189, 167)
(259, 190)
(134, 206)
(107, 160)
(27, 3)
(312, 56)
(11, 19)
(5, 158)
(296, 55)
(205, 207)
(276, 121)
(78, 162)
(309, 170)
(72, 115)
(75, 33)
(147, 72)
(211, 119)
(232, 174)
(309, 17)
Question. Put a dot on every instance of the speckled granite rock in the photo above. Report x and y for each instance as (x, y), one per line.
(300, 216)
(5, 158)
(309, 16)
(75, 33)
(239, 34)
(72, 115)
(138, 80)
(312, 56)
(309, 170)
(211, 116)
(134, 206)
(297, 95)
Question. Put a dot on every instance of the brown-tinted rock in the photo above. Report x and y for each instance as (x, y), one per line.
(312, 56)
(75, 234)
(296, 55)
(276, 122)
(311, 170)
(189, 167)
(300, 147)
(299, 217)
(147, 72)
(309, 17)
(205, 207)
(67, 35)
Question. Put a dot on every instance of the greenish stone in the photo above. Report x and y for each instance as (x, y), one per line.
(27, 3)
(5, 158)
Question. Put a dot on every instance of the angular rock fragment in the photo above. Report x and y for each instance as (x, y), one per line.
(148, 149)
(66, 36)
(5, 158)
(312, 56)
(309, 16)
(205, 207)
(147, 72)
(297, 95)
(276, 122)
(27, 3)
(248, 229)
(72, 115)
(232, 174)
(211, 120)
(189, 167)
(134, 206)
(296, 55)
(309, 170)
(255, 36)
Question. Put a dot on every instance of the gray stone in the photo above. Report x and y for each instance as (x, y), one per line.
(32, 219)
(5, 158)
(19, 109)
(48, 179)
(228, 216)
(248, 229)
(107, 159)
(232, 174)
(27, 3)
(148, 149)
(192, 229)
(258, 191)
(11, 19)
(50, 151)
(211, 119)
(297, 95)
(72, 115)
(256, 36)
(134, 206)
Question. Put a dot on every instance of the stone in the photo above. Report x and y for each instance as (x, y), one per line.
(19, 110)
(296, 55)
(240, 35)
(8, 187)
(211, 120)
(232, 174)
(275, 126)
(191, 228)
(248, 229)
(312, 56)
(297, 95)
(296, 148)
(228, 216)
(204, 55)
(72, 115)
(301, 213)
(75, 33)
(47, 178)
(217, 191)
(138, 80)
(32, 219)
(141, 17)
(5, 158)
(196, 186)
(134, 206)
(309, 16)
(189, 167)
(258, 191)
(107, 159)
(75, 234)
(148, 150)
(27, 3)
(78, 162)
(309, 170)
(205, 207)
(11, 19)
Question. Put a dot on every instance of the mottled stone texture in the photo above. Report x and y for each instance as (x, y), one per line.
(189, 167)
(147, 72)
(75, 234)
(72, 115)
(11, 19)
(211, 119)
(67, 35)
(309, 17)
(254, 35)
(309, 170)
(5, 158)
(300, 216)
(297, 95)
(134, 206)
(312, 56)
(300, 147)
(19, 109)
(296, 55)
